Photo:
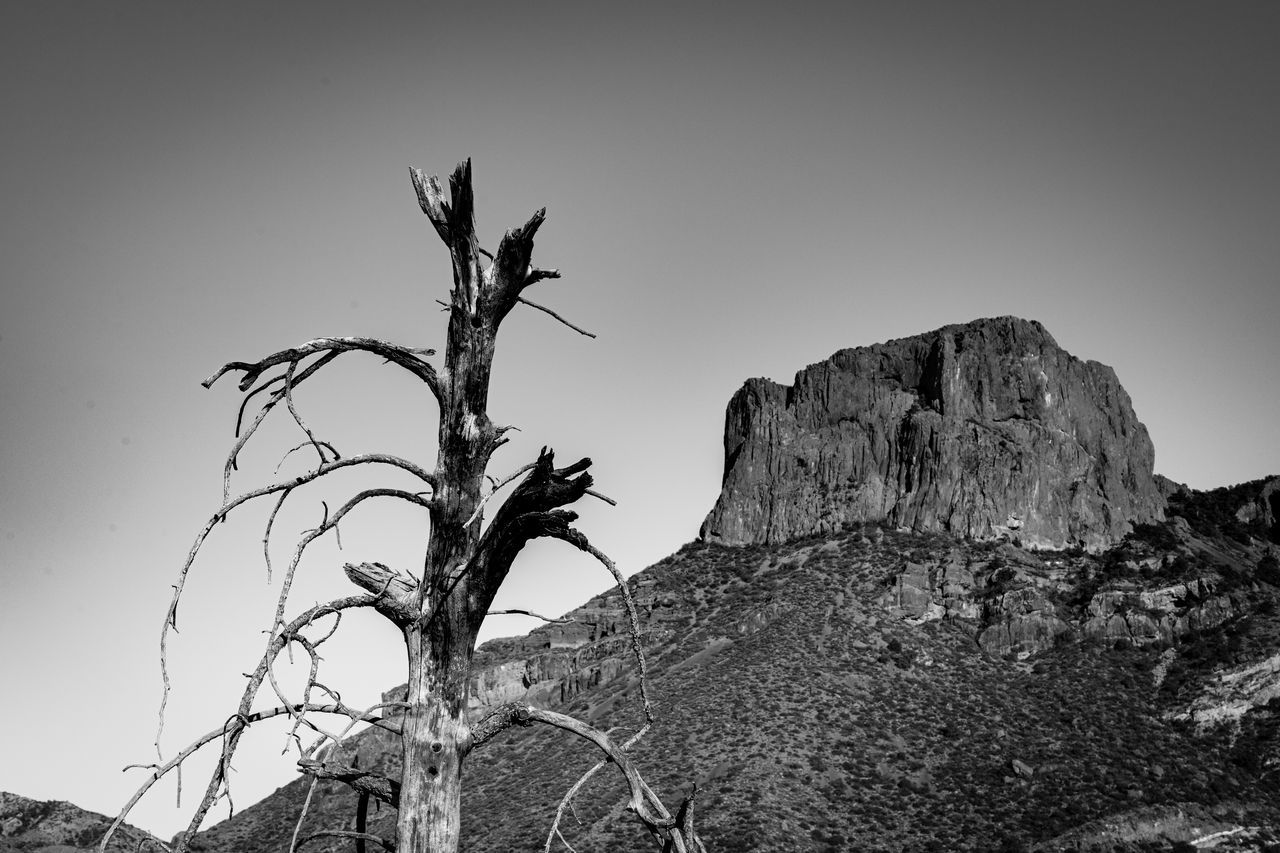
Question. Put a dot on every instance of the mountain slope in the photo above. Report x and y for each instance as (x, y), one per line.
(33, 826)
(823, 697)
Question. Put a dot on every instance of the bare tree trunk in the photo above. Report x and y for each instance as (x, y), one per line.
(466, 562)
(435, 740)
(440, 643)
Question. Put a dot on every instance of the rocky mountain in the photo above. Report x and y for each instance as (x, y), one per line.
(986, 430)
(942, 604)
(885, 690)
(32, 826)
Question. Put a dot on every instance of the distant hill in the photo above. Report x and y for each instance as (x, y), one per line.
(32, 826)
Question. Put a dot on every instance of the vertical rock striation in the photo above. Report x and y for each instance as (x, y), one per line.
(987, 429)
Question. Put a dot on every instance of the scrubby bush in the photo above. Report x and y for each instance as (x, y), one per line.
(1269, 570)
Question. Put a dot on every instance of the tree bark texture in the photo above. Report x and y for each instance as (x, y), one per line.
(463, 569)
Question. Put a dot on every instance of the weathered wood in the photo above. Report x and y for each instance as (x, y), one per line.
(361, 781)
(440, 615)
(396, 593)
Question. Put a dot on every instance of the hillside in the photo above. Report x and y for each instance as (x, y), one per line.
(881, 690)
(34, 826)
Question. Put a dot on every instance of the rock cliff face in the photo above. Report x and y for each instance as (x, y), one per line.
(987, 429)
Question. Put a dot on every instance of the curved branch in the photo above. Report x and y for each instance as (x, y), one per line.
(266, 534)
(171, 615)
(497, 486)
(279, 394)
(643, 802)
(530, 511)
(330, 524)
(520, 714)
(236, 724)
(337, 741)
(346, 833)
(633, 617)
(300, 715)
(394, 353)
(297, 418)
(578, 540)
(361, 781)
(274, 646)
(519, 612)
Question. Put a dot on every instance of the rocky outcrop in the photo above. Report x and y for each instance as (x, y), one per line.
(1147, 616)
(1021, 622)
(1234, 693)
(1264, 509)
(987, 430)
(927, 592)
(1021, 606)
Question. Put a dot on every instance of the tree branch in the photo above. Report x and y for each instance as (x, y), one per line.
(511, 271)
(403, 356)
(297, 418)
(361, 781)
(535, 275)
(346, 833)
(242, 438)
(381, 603)
(243, 712)
(236, 724)
(431, 200)
(547, 310)
(518, 612)
(396, 592)
(643, 802)
(463, 248)
(528, 513)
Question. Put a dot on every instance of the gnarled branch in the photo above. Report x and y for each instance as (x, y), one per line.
(359, 780)
(171, 615)
(396, 592)
(676, 831)
(515, 611)
(244, 711)
(348, 834)
(234, 724)
(405, 357)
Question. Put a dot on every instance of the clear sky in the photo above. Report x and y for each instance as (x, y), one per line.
(731, 193)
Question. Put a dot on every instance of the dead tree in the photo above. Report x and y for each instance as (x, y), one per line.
(439, 612)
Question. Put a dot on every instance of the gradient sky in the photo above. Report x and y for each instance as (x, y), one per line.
(730, 194)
